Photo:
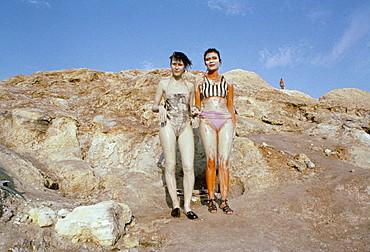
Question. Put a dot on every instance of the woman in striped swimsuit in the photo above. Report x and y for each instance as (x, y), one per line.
(214, 98)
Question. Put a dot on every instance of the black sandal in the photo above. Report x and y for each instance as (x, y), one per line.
(191, 215)
(175, 212)
(226, 208)
(212, 206)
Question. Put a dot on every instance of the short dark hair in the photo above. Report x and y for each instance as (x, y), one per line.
(181, 56)
(209, 50)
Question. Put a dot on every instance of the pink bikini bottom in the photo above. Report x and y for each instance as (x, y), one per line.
(216, 119)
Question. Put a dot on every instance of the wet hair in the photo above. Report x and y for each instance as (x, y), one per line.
(209, 50)
(181, 56)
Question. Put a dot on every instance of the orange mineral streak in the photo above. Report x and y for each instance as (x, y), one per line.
(211, 177)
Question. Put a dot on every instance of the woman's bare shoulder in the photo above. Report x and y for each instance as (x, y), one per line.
(199, 80)
(163, 82)
(164, 79)
(228, 79)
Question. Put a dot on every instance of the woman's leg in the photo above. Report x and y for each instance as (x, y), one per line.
(186, 146)
(209, 140)
(225, 140)
(168, 142)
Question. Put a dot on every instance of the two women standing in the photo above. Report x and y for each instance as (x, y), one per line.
(214, 104)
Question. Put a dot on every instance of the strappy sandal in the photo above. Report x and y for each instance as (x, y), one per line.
(226, 208)
(212, 206)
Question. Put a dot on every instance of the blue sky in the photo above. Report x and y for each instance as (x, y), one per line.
(315, 45)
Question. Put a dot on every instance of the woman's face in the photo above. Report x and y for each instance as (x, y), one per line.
(177, 67)
(212, 61)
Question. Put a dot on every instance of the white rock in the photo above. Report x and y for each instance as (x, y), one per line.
(43, 216)
(63, 213)
(327, 151)
(102, 223)
(309, 164)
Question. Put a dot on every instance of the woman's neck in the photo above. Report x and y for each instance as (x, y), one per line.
(213, 74)
(177, 78)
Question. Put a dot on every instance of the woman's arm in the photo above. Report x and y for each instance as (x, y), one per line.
(157, 99)
(195, 110)
(191, 93)
(230, 103)
(198, 83)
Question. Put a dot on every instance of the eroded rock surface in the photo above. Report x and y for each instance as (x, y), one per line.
(77, 137)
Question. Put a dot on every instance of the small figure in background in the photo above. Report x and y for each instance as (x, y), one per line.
(282, 84)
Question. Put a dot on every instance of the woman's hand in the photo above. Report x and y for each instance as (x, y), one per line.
(195, 111)
(162, 114)
(195, 120)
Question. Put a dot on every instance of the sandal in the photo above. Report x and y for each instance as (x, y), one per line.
(175, 212)
(212, 206)
(226, 208)
(191, 215)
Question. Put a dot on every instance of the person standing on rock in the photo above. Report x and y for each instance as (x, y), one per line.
(175, 118)
(282, 86)
(214, 97)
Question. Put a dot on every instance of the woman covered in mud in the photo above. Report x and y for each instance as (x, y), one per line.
(214, 97)
(175, 120)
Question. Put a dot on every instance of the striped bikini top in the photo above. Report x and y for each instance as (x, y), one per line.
(209, 89)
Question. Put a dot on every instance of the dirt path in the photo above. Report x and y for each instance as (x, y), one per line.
(324, 210)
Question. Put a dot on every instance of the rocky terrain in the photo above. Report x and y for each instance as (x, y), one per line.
(81, 168)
